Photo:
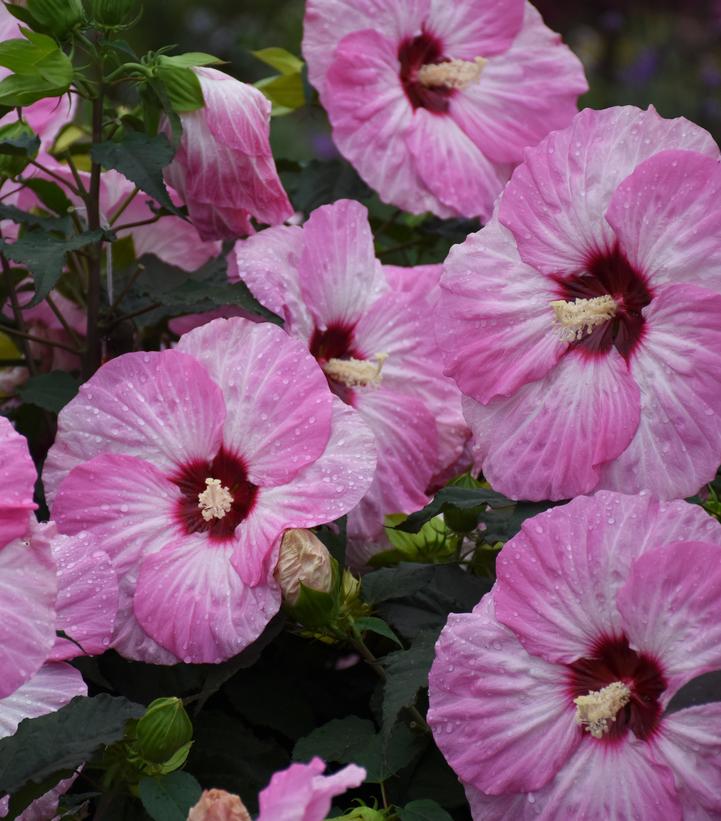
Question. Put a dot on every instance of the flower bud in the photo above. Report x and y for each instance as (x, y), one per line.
(305, 560)
(115, 13)
(163, 730)
(364, 814)
(218, 805)
(56, 17)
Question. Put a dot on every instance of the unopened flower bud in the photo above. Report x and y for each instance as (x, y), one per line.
(163, 730)
(218, 805)
(114, 13)
(56, 17)
(305, 560)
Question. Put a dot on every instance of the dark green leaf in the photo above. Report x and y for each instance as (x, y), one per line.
(141, 159)
(49, 391)
(354, 740)
(18, 139)
(183, 88)
(62, 740)
(268, 700)
(423, 810)
(376, 625)
(703, 689)
(50, 194)
(59, 224)
(504, 523)
(463, 498)
(335, 538)
(395, 583)
(23, 798)
(44, 256)
(169, 798)
(406, 674)
(320, 182)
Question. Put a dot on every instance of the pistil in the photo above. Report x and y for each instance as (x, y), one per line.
(457, 74)
(595, 710)
(356, 373)
(215, 501)
(578, 318)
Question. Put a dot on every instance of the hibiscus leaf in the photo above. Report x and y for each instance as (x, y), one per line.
(320, 182)
(462, 498)
(395, 583)
(44, 256)
(423, 810)
(406, 675)
(170, 797)
(141, 159)
(49, 391)
(378, 626)
(704, 689)
(62, 740)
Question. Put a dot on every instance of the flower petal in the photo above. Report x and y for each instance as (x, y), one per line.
(667, 218)
(556, 201)
(17, 484)
(476, 28)
(190, 599)
(495, 325)
(552, 437)
(127, 506)
(677, 446)
(523, 94)
(558, 579)
(484, 685)
(669, 606)
(689, 742)
(452, 167)
(279, 403)
(27, 607)
(87, 601)
(303, 793)
(159, 406)
(370, 115)
(338, 272)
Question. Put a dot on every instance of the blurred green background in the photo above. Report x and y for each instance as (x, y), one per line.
(665, 52)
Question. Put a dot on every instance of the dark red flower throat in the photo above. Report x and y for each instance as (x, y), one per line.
(414, 53)
(232, 474)
(613, 660)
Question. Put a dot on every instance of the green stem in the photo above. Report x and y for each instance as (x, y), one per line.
(21, 333)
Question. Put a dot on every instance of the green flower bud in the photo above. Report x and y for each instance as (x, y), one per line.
(56, 17)
(364, 814)
(115, 14)
(163, 730)
(18, 145)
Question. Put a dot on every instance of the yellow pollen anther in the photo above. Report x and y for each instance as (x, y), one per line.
(215, 501)
(600, 707)
(578, 318)
(356, 373)
(452, 73)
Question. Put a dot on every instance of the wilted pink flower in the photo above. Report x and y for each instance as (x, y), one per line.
(548, 700)
(433, 102)
(583, 321)
(48, 582)
(188, 465)
(51, 688)
(300, 793)
(47, 116)
(371, 336)
(224, 169)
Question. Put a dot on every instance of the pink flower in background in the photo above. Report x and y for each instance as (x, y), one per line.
(51, 688)
(48, 582)
(224, 169)
(371, 335)
(188, 465)
(548, 699)
(47, 116)
(433, 102)
(582, 323)
(300, 793)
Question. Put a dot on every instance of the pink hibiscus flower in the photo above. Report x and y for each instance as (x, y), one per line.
(188, 465)
(51, 688)
(548, 699)
(300, 793)
(582, 322)
(48, 582)
(432, 101)
(368, 330)
(224, 169)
